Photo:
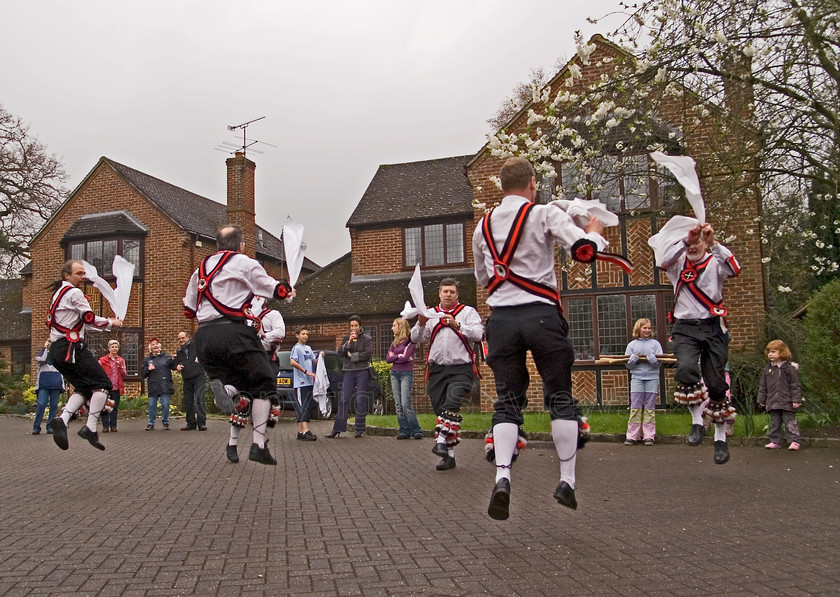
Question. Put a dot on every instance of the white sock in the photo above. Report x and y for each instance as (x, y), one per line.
(565, 436)
(720, 432)
(74, 403)
(97, 403)
(451, 452)
(696, 411)
(260, 408)
(505, 436)
(234, 435)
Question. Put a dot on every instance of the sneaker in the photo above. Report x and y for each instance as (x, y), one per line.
(59, 433)
(415, 436)
(649, 442)
(261, 455)
(630, 442)
(166, 426)
(793, 446)
(221, 397)
(150, 427)
(308, 436)
(91, 436)
(189, 428)
(232, 454)
(402, 436)
(773, 446)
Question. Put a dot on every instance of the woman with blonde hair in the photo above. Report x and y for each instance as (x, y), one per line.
(401, 357)
(644, 384)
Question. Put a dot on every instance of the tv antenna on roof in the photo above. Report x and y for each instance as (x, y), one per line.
(245, 143)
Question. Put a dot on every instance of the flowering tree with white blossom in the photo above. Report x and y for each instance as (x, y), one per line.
(766, 72)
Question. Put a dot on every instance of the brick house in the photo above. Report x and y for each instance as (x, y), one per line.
(15, 326)
(163, 230)
(424, 212)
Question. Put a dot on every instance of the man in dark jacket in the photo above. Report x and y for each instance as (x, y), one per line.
(157, 368)
(186, 361)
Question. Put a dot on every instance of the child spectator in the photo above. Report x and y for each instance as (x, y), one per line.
(644, 384)
(780, 394)
(303, 361)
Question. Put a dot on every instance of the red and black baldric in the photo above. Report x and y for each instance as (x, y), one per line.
(72, 334)
(258, 319)
(501, 261)
(439, 326)
(689, 277)
(205, 278)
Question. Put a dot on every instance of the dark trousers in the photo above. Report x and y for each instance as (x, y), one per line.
(511, 333)
(447, 386)
(233, 353)
(85, 373)
(701, 341)
(109, 420)
(303, 404)
(195, 409)
(354, 381)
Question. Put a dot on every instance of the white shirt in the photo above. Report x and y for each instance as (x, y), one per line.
(448, 348)
(273, 329)
(711, 281)
(239, 277)
(533, 259)
(69, 312)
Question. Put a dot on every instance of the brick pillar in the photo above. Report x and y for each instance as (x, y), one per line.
(240, 198)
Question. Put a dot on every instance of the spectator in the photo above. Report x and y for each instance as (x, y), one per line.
(304, 362)
(114, 365)
(48, 386)
(644, 384)
(186, 361)
(780, 393)
(355, 351)
(401, 357)
(157, 367)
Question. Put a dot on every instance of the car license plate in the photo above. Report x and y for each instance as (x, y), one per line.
(285, 382)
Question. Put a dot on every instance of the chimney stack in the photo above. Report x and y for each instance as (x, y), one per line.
(240, 198)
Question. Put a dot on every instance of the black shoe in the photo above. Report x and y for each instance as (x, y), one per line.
(261, 455)
(150, 427)
(499, 508)
(202, 427)
(307, 437)
(695, 436)
(447, 463)
(440, 449)
(333, 434)
(189, 428)
(565, 495)
(232, 454)
(399, 436)
(91, 436)
(59, 429)
(721, 452)
(415, 436)
(166, 426)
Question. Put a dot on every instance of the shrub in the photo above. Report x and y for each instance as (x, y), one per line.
(821, 351)
(383, 374)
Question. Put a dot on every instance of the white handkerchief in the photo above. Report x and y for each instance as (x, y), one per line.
(675, 230)
(683, 168)
(294, 248)
(415, 289)
(581, 210)
(124, 273)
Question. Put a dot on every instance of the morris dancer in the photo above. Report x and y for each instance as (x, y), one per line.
(514, 258)
(450, 365)
(699, 335)
(70, 316)
(219, 295)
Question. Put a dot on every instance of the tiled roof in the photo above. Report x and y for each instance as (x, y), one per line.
(416, 190)
(14, 325)
(329, 294)
(194, 213)
(105, 224)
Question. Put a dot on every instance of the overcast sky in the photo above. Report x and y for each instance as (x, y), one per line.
(343, 87)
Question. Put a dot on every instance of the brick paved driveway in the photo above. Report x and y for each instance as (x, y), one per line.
(163, 513)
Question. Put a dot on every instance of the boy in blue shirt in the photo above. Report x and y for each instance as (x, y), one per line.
(303, 361)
